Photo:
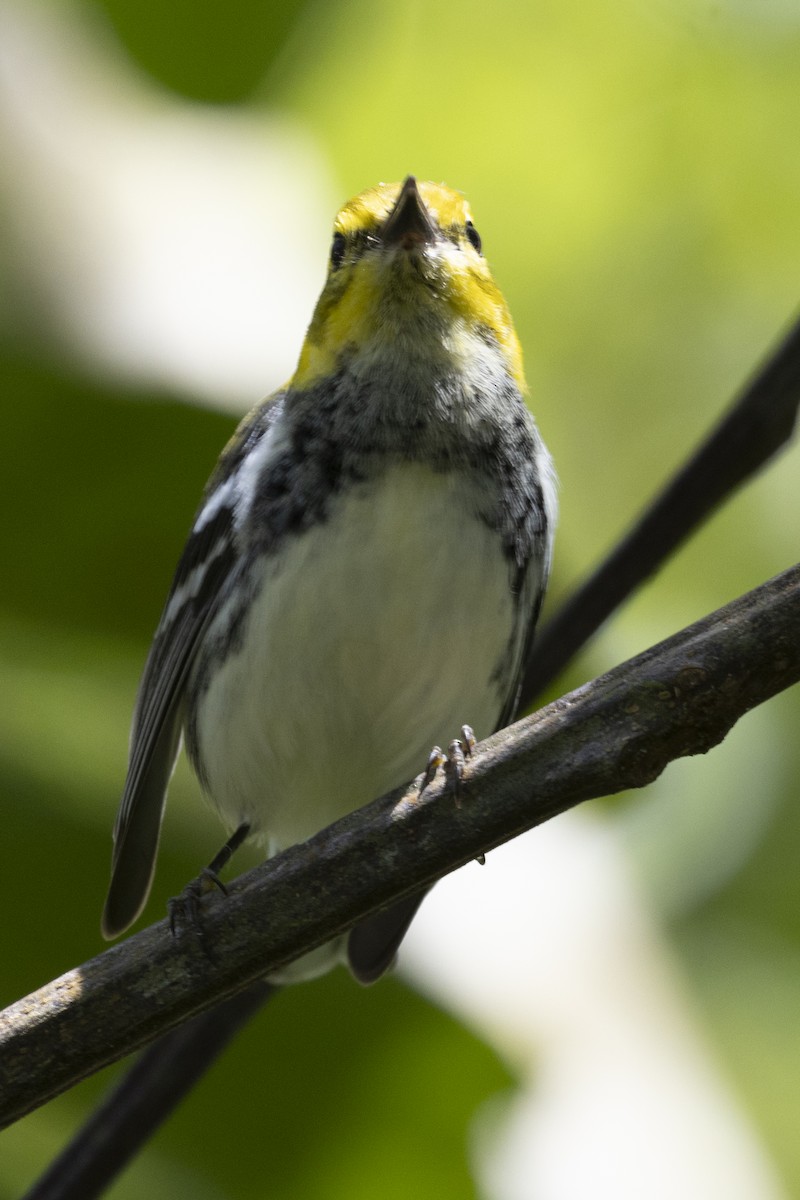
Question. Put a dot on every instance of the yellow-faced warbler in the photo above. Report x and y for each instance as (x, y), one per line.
(367, 565)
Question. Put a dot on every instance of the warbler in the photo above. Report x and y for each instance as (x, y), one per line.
(366, 567)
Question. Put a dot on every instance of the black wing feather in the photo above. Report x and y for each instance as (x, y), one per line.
(156, 734)
(211, 555)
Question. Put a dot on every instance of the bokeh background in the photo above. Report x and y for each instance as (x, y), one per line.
(611, 1008)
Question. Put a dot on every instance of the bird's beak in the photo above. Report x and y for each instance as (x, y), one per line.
(409, 223)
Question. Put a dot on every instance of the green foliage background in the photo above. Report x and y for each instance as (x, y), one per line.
(635, 174)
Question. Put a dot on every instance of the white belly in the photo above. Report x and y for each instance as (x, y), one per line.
(373, 636)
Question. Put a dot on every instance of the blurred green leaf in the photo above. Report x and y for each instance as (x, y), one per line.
(102, 486)
(213, 52)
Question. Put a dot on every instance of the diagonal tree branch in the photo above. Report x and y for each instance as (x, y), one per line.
(620, 731)
(134, 1109)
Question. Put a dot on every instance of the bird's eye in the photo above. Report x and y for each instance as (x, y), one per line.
(338, 247)
(473, 237)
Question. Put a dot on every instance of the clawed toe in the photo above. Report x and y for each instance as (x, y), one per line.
(454, 761)
(184, 910)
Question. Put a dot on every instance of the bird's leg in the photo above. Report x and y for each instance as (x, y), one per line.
(185, 909)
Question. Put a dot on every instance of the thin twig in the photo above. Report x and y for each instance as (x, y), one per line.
(755, 428)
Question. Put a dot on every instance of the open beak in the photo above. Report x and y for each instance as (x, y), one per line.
(409, 224)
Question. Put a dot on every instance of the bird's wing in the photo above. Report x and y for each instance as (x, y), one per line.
(205, 572)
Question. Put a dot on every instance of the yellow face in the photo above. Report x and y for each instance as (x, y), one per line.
(430, 296)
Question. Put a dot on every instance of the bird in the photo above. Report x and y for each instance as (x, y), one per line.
(366, 567)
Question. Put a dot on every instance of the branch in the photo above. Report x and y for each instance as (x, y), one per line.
(134, 1109)
(755, 428)
(620, 731)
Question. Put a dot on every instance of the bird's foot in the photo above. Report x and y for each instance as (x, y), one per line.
(454, 761)
(184, 910)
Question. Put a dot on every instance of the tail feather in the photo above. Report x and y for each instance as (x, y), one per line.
(373, 944)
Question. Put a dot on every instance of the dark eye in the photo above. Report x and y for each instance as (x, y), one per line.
(473, 237)
(338, 247)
